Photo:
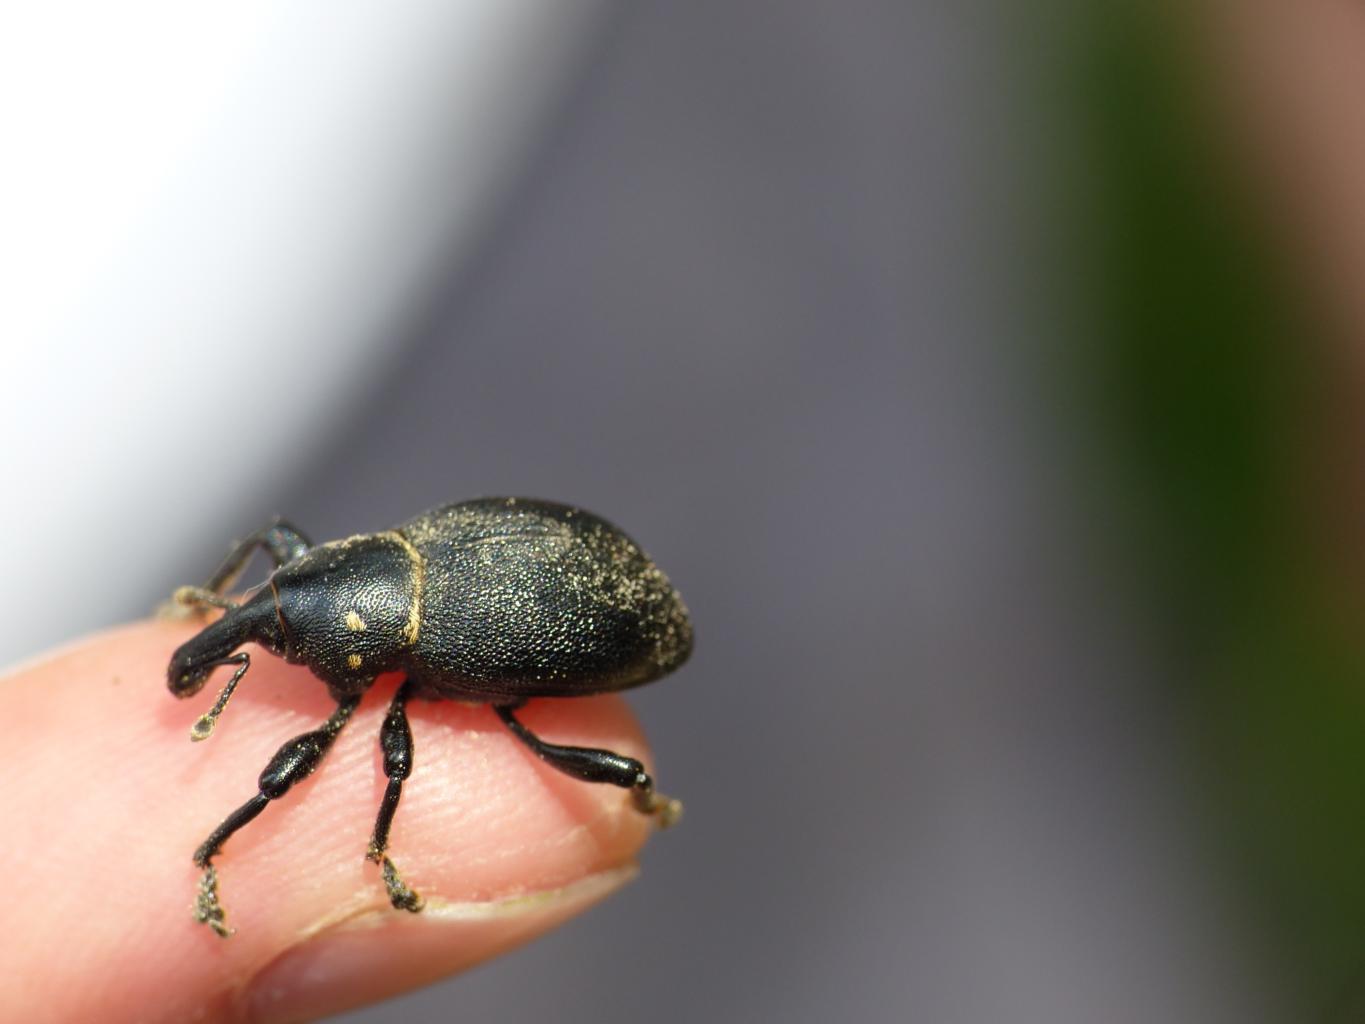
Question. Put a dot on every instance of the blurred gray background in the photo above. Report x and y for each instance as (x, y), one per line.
(749, 296)
(748, 299)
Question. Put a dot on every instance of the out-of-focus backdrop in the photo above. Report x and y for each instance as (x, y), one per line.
(938, 353)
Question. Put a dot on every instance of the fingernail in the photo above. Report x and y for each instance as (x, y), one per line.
(381, 952)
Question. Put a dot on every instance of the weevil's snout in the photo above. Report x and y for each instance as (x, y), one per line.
(214, 645)
(188, 672)
(195, 659)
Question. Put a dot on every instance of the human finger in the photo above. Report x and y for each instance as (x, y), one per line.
(106, 799)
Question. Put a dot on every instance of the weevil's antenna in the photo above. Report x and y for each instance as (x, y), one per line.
(203, 726)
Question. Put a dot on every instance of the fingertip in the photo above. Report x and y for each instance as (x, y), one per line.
(374, 955)
(502, 846)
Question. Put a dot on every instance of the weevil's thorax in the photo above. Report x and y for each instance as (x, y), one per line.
(347, 608)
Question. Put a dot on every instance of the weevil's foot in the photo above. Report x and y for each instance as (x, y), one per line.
(172, 610)
(664, 810)
(192, 602)
(669, 811)
(400, 895)
(207, 909)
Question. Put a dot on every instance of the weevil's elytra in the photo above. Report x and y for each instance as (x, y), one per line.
(492, 601)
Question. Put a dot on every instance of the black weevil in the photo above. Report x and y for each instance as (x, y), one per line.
(491, 601)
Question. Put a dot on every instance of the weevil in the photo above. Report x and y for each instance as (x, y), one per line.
(492, 601)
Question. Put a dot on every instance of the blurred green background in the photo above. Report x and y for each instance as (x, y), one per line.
(1206, 387)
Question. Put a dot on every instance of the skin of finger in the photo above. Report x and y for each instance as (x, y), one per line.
(106, 800)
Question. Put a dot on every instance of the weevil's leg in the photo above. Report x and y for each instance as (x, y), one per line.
(295, 760)
(395, 740)
(593, 765)
(282, 541)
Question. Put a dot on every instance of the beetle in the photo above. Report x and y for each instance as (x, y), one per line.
(491, 601)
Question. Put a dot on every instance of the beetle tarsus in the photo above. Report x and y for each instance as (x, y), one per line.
(400, 895)
(207, 909)
(665, 810)
(198, 599)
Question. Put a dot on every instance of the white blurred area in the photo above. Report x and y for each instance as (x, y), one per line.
(214, 218)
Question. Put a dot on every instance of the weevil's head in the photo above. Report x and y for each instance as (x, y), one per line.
(255, 619)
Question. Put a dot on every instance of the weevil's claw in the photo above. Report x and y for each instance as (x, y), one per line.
(665, 811)
(400, 895)
(207, 909)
